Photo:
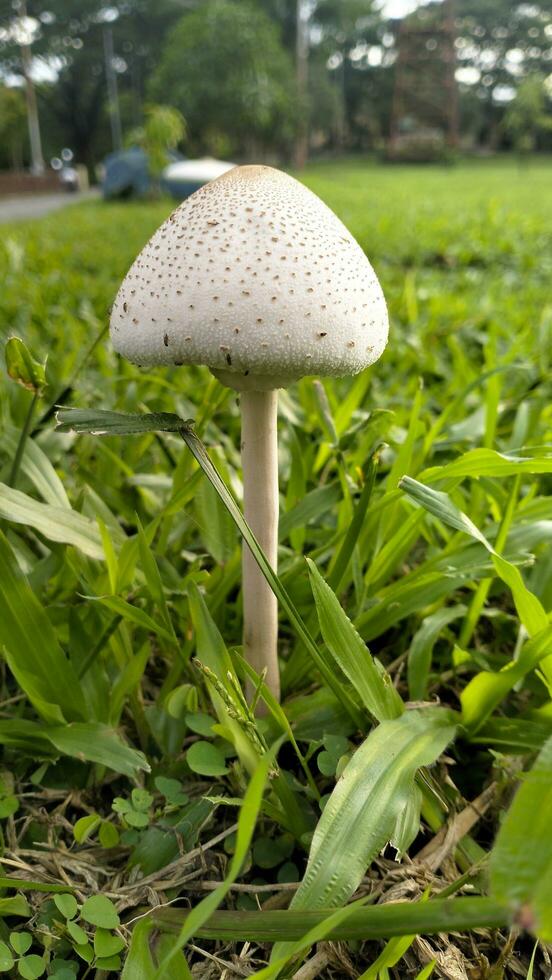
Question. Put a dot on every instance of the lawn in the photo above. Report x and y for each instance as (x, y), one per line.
(120, 598)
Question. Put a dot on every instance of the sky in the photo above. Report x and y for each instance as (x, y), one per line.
(398, 8)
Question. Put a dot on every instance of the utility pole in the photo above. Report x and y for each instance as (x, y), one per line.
(37, 160)
(112, 92)
(302, 78)
(453, 130)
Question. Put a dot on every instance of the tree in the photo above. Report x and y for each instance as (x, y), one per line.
(13, 127)
(499, 43)
(163, 130)
(225, 68)
(70, 35)
(337, 103)
(526, 117)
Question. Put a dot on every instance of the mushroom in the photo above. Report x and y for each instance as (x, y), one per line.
(256, 278)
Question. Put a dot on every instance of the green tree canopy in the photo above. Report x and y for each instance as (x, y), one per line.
(225, 68)
(163, 130)
(13, 127)
(69, 36)
(526, 116)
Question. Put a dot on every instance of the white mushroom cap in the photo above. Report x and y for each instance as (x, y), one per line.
(256, 278)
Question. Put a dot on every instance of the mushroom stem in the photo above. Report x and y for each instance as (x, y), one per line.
(259, 448)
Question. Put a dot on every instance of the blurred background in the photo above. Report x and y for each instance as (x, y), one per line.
(277, 81)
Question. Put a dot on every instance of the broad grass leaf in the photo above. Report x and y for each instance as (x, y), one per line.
(100, 422)
(36, 466)
(363, 810)
(514, 735)
(133, 614)
(139, 964)
(110, 555)
(521, 859)
(369, 679)
(97, 743)
(408, 821)
(487, 689)
(55, 523)
(31, 649)
(26, 736)
(487, 462)
(211, 648)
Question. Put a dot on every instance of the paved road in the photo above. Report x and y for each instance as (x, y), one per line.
(26, 206)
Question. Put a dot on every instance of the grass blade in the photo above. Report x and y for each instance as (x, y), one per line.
(421, 649)
(393, 952)
(487, 462)
(36, 466)
(55, 523)
(521, 860)
(32, 651)
(369, 679)
(529, 609)
(487, 689)
(353, 922)
(116, 423)
(198, 450)
(345, 553)
(99, 422)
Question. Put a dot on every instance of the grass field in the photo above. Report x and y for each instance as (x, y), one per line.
(120, 569)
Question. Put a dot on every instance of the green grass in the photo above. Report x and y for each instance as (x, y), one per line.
(121, 569)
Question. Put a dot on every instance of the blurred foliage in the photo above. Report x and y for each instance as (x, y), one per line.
(13, 128)
(164, 128)
(526, 117)
(352, 59)
(246, 79)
